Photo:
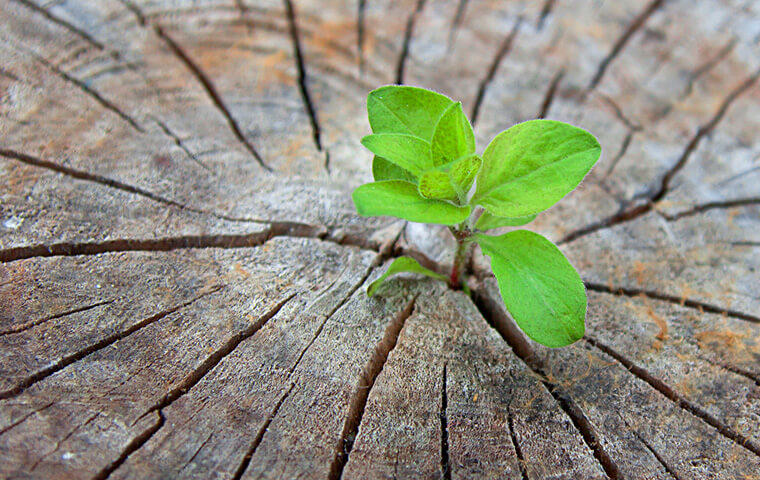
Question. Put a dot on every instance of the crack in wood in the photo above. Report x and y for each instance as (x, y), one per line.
(646, 444)
(626, 215)
(621, 153)
(211, 91)
(141, 19)
(753, 377)
(116, 184)
(87, 90)
(621, 42)
(62, 23)
(260, 435)
(33, 323)
(369, 375)
(105, 342)
(302, 76)
(737, 202)
(504, 49)
(188, 383)
(683, 301)
(26, 417)
(707, 66)
(631, 125)
(178, 141)
(672, 395)
(519, 344)
(552, 90)
(545, 11)
(456, 23)
(62, 440)
(10, 75)
(361, 9)
(518, 449)
(443, 415)
(401, 65)
(131, 447)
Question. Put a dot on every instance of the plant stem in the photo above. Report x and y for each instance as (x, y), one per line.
(462, 236)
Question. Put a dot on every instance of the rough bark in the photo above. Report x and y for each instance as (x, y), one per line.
(182, 271)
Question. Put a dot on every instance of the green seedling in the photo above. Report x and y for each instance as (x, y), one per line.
(426, 170)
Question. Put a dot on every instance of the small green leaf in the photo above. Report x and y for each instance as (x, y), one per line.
(382, 169)
(452, 181)
(403, 109)
(401, 199)
(453, 137)
(542, 291)
(464, 171)
(488, 221)
(406, 151)
(403, 264)
(531, 166)
(436, 184)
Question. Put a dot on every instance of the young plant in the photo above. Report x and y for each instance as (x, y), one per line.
(426, 170)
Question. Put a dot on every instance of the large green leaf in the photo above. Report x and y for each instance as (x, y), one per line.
(406, 151)
(404, 109)
(488, 221)
(382, 169)
(541, 290)
(397, 198)
(529, 167)
(403, 264)
(453, 137)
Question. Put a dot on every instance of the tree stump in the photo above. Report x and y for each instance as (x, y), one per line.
(183, 271)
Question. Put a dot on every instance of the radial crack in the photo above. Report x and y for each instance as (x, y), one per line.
(108, 182)
(517, 341)
(707, 66)
(62, 23)
(456, 23)
(549, 97)
(737, 202)
(361, 9)
(686, 302)
(443, 414)
(671, 394)
(504, 49)
(633, 27)
(178, 141)
(108, 105)
(626, 215)
(188, 383)
(401, 65)
(545, 11)
(211, 91)
(302, 75)
(656, 455)
(516, 444)
(27, 325)
(105, 342)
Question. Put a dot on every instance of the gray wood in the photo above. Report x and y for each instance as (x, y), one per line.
(182, 270)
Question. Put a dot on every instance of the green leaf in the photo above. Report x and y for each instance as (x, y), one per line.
(488, 221)
(397, 198)
(531, 166)
(464, 171)
(436, 184)
(403, 264)
(382, 169)
(541, 290)
(453, 137)
(452, 181)
(403, 109)
(405, 151)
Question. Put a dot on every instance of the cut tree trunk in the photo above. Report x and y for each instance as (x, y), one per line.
(183, 271)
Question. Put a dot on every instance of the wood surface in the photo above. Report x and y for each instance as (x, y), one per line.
(182, 270)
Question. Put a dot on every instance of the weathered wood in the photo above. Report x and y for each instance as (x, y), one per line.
(182, 276)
